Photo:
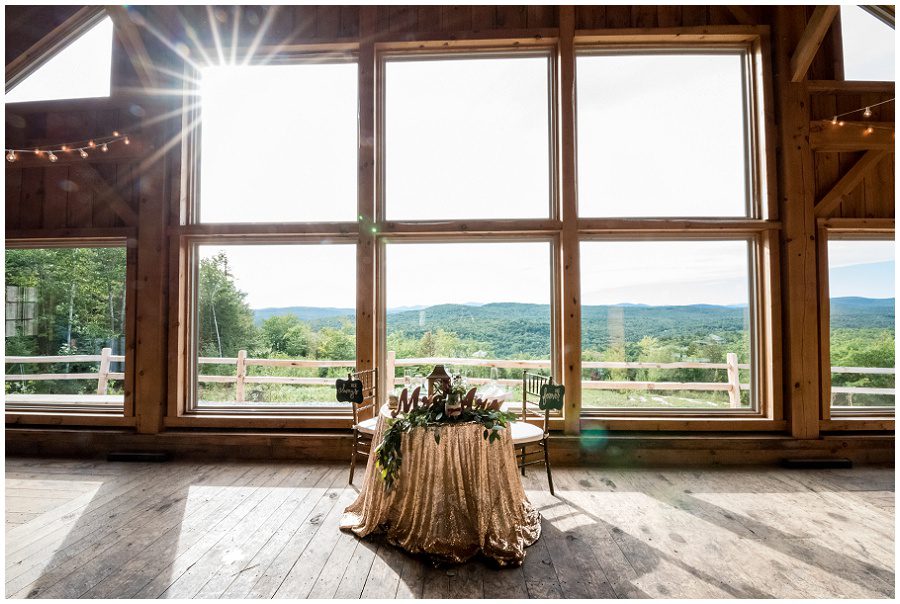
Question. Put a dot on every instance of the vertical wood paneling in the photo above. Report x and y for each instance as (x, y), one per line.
(55, 186)
(403, 19)
(618, 17)
(541, 16)
(349, 21)
(456, 18)
(590, 17)
(644, 15)
(281, 24)
(511, 17)
(80, 199)
(13, 197)
(103, 214)
(484, 17)
(669, 16)
(429, 18)
(304, 22)
(32, 198)
(694, 14)
(328, 21)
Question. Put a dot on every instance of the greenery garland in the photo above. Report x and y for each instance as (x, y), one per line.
(388, 456)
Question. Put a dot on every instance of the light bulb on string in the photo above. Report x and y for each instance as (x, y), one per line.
(92, 144)
(52, 157)
(841, 123)
(869, 130)
(104, 148)
(64, 148)
(834, 120)
(82, 153)
(11, 156)
(115, 133)
(867, 112)
(38, 152)
(126, 141)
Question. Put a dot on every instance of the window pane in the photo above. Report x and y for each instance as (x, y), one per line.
(81, 69)
(665, 325)
(278, 143)
(861, 287)
(273, 304)
(478, 304)
(467, 138)
(65, 327)
(661, 135)
(868, 46)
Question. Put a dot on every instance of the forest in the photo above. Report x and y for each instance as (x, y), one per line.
(65, 301)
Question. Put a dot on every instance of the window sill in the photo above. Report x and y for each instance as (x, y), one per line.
(699, 424)
(66, 418)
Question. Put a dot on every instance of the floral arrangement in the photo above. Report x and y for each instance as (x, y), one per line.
(446, 406)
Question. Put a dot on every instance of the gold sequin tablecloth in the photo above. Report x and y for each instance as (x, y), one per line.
(451, 499)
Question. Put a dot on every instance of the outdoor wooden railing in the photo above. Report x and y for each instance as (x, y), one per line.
(732, 385)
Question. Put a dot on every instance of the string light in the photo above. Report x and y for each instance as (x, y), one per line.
(51, 151)
(869, 130)
(866, 111)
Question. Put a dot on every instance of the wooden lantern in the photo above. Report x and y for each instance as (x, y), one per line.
(438, 380)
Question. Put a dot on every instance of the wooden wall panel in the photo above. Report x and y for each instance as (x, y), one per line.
(31, 205)
(56, 187)
(13, 196)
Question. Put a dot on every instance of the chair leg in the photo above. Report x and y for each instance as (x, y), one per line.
(547, 463)
(353, 457)
(522, 465)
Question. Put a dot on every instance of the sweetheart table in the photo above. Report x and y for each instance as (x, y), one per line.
(452, 499)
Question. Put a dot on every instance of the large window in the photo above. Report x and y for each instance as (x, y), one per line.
(663, 134)
(666, 325)
(868, 45)
(65, 328)
(278, 143)
(861, 291)
(481, 308)
(467, 137)
(274, 325)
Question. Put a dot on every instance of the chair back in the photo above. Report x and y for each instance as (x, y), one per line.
(531, 394)
(369, 379)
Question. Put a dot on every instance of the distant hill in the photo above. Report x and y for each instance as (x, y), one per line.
(511, 328)
(304, 313)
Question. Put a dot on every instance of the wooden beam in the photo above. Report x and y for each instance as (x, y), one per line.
(570, 265)
(811, 40)
(852, 136)
(742, 15)
(800, 293)
(130, 36)
(106, 193)
(366, 265)
(848, 182)
(44, 49)
(849, 87)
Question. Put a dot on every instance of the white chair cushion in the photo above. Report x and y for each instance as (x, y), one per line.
(368, 426)
(523, 432)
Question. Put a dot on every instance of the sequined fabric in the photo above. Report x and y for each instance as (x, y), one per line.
(451, 499)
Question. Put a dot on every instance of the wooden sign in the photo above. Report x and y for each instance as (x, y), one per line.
(552, 396)
(349, 391)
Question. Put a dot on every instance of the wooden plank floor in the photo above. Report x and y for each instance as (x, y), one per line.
(261, 530)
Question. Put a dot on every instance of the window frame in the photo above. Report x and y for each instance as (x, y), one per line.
(847, 229)
(753, 188)
(760, 379)
(192, 121)
(838, 37)
(73, 413)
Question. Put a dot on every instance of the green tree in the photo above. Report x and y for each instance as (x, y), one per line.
(225, 321)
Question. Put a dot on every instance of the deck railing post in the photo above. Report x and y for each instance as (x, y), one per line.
(734, 380)
(389, 369)
(103, 377)
(241, 374)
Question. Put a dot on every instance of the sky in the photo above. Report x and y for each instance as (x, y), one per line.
(82, 69)
(469, 138)
(861, 268)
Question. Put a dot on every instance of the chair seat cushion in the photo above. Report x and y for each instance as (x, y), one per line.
(368, 426)
(523, 432)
